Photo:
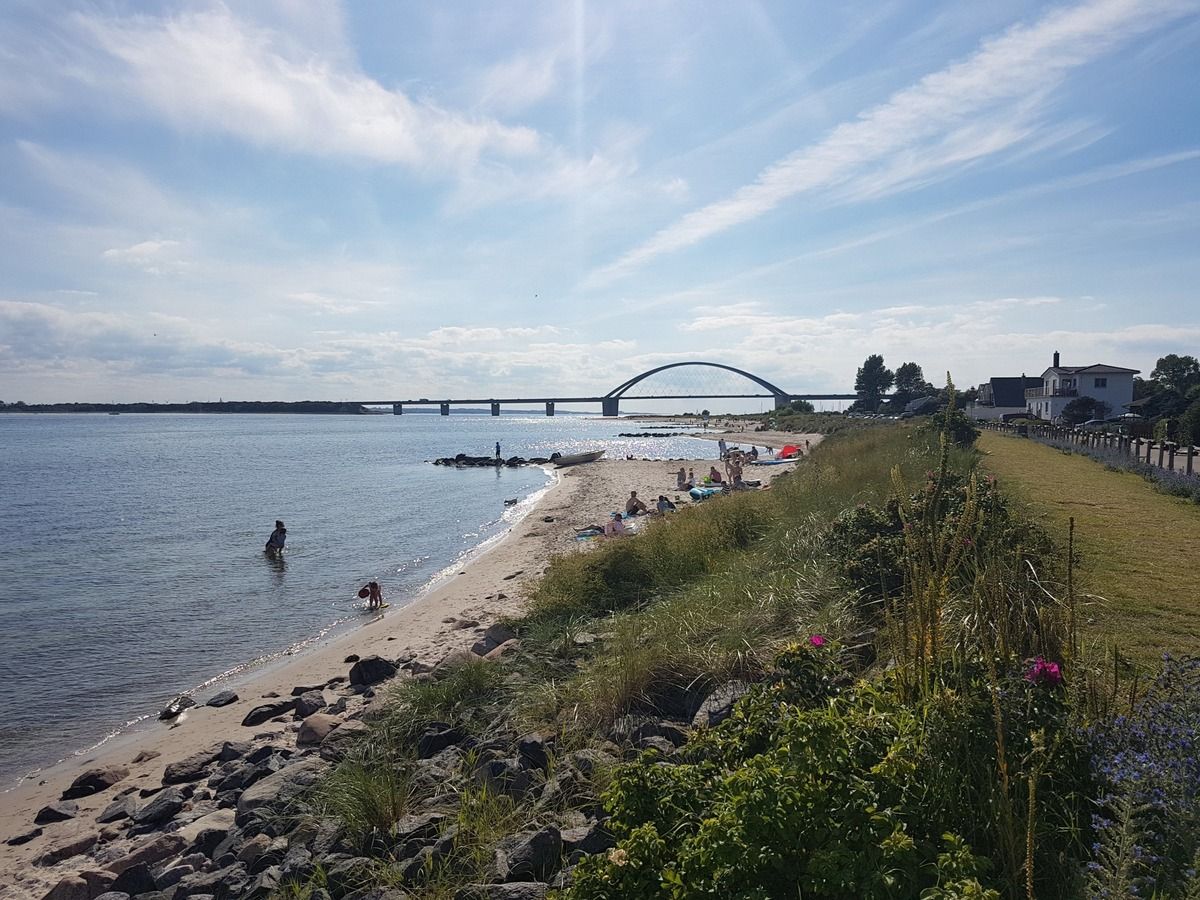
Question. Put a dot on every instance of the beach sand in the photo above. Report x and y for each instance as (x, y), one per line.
(487, 587)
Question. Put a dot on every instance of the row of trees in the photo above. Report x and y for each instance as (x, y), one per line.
(875, 379)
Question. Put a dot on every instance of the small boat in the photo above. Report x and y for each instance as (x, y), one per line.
(574, 459)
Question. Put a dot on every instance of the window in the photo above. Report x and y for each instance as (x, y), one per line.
(1101, 383)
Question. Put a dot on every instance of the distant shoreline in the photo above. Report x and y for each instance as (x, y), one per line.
(245, 407)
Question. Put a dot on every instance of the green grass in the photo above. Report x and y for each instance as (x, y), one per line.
(712, 593)
(1140, 548)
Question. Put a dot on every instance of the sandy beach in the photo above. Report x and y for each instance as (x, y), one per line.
(452, 615)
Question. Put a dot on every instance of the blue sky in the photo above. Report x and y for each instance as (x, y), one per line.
(289, 199)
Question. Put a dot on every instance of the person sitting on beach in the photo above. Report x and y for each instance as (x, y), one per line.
(614, 527)
(681, 480)
(276, 540)
(665, 505)
(691, 478)
(715, 476)
(634, 506)
(753, 453)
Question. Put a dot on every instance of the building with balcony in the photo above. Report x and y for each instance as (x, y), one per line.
(1001, 397)
(1110, 385)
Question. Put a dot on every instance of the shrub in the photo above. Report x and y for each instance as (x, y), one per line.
(812, 789)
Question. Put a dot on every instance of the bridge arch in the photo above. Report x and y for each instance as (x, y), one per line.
(620, 390)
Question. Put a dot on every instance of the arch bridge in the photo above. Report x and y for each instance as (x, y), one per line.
(626, 390)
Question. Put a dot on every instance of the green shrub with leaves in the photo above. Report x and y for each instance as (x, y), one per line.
(816, 787)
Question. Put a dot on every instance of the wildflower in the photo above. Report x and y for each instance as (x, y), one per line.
(1044, 673)
(618, 857)
(818, 640)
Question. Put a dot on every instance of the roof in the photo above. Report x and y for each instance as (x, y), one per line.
(1095, 367)
(1010, 390)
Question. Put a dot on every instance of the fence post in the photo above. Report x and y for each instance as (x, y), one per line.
(1162, 447)
(1190, 452)
(1171, 455)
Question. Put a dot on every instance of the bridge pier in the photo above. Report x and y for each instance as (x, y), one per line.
(549, 407)
(397, 409)
(444, 408)
(782, 401)
(495, 408)
(609, 406)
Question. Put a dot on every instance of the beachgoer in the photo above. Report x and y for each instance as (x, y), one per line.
(497, 451)
(715, 476)
(664, 505)
(681, 480)
(633, 505)
(806, 445)
(691, 478)
(374, 594)
(722, 448)
(753, 453)
(276, 540)
(614, 527)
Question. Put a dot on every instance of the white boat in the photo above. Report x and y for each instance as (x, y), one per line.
(573, 459)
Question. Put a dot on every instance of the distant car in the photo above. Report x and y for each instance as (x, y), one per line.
(1094, 424)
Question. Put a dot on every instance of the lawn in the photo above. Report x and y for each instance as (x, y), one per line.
(1140, 548)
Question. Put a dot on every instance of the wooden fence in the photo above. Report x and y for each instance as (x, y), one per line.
(1164, 454)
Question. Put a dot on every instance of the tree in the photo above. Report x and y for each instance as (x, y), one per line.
(874, 378)
(1176, 373)
(911, 383)
(801, 406)
(1189, 425)
(1081, 409)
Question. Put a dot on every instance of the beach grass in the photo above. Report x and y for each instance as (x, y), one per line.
(1139, 548)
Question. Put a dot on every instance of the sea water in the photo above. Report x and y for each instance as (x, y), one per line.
(131, 563)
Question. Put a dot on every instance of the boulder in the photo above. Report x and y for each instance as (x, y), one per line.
(135, 880)
(718, 705)
(277, 791)
(656, 743)
(436, 738)
(58, 811)
(268, 711)
(99, 880)
(671, 733)
(315, 729)
(24, 838)
(93, 781)
(587, 839)
(310, 702)
(191, 768)
(165, 805)
(68, 848)
(504, 776)
(339, 741)
(114, 895)
(508, 646)
(222, 884)
(231, 750)
(121, 808)
(372, 670)
(534, 751)
(146, 756)
(161, 847)
(454, 660)
(70, 888)
(527, 857)
(517, 890)
(589, 760)
(175, 707)
(411, 833)
(222, 698)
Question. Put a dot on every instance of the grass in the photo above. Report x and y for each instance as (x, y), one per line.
(1140, 548)
(712, 593)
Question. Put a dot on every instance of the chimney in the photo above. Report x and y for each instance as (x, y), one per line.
(1056, 359)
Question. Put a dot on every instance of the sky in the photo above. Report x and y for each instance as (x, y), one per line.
(371, 199)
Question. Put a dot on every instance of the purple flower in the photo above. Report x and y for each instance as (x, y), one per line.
(1044, 673)
(818, 640)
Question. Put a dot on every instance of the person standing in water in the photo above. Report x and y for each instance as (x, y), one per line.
(276, 540)
(497, 451)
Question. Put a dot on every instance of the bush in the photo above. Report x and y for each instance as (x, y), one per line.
(819, 791)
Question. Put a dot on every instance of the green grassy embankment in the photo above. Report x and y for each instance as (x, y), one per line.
(1140, 548)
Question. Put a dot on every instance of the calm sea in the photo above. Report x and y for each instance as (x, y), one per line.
(131, 564)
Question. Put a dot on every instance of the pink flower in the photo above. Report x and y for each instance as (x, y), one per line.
(1044, 673)
(818, 640)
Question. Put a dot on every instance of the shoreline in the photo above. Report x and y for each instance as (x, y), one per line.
(451, 616)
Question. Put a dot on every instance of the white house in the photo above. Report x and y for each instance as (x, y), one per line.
(1111, 385)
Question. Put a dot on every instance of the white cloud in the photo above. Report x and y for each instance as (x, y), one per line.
(521, 82)
(958, 113)
(211, 71)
